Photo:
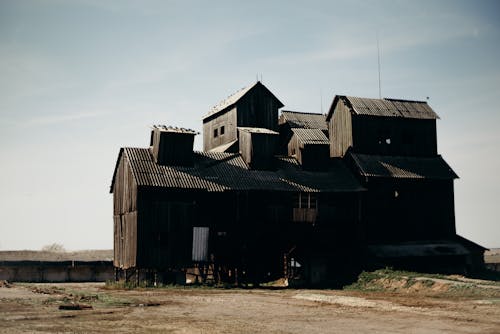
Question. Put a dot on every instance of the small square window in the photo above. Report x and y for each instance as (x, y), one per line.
(222, 130)
(215, 133)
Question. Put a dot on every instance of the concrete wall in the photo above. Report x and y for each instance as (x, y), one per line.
(63, 271)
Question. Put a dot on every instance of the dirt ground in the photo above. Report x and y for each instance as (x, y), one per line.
(34, 308)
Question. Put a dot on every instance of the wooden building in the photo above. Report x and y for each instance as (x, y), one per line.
(221, 211)
(304, 196)
(391, 147)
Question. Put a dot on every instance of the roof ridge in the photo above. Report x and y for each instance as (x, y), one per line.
(302, 112)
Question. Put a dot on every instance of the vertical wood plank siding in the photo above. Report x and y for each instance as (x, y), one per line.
(340, 130)
(408, 137)
(226, 120)
(125, 216)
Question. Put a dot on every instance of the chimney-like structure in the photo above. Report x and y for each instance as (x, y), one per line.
(172, 146)
(258, 146)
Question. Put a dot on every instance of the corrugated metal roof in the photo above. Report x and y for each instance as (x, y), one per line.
(337, 178)
(233, 98)
(311, 136)
(304, 120)
(165, 128)
(223, 147)
(216, 172)
(390, 108)
(403, 167)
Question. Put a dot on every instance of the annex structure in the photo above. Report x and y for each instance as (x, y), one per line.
(308, 197)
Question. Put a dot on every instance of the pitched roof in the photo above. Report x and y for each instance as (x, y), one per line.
(304, 120)
(385, 107)
(235, 97)
(224, 147)
(216, 172)
(311, 136)
(403, 167)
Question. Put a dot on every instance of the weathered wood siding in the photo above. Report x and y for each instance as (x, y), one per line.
(340, 130)
(258, 149)
(228, 121)
(258, 108)
(125, 216)
(398, 210)
(165, 228)
(171, 148)
(314, 157)
(394, 136)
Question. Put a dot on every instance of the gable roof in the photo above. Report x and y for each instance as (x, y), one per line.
(384, 107)
(235, 97)
(217, 172)
(303, 120)
(311, 136)
(403, 167)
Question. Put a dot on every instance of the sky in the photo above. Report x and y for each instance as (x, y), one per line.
(80, 79)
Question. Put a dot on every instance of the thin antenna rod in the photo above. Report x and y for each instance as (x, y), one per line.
(378, 58)
(321, 99)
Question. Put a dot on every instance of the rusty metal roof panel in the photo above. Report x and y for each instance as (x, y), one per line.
(403, 167)
(391, 108)
(304, 120)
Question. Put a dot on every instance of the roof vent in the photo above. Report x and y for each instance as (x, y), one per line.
(172, 146)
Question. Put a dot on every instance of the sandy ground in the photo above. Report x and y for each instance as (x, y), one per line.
(34, 308)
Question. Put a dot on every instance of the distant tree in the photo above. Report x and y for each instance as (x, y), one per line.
(55, 248)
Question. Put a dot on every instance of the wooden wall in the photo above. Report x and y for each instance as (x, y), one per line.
(314, 157)
(394, 136)
(125, 216)
(172, 148)
(397, 210)
(380, 135)
(165, 227)
(340, 130)
(258, 108)
(258, 149)
(228, 121)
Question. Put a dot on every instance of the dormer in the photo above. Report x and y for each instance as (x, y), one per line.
(257, 146)
(172, 146)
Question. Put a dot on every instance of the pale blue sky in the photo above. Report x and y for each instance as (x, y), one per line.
(80, 79)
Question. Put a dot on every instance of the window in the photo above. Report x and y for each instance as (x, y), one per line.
(305, 208)
(215, 133)
(305, 201)
(222, 130)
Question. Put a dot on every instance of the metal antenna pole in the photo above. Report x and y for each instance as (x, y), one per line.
(378, 58)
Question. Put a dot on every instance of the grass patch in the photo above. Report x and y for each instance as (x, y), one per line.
(389, 280)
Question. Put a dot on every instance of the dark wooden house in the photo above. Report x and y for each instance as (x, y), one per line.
(304, 196)
(390, 145)
(219, 210)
